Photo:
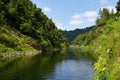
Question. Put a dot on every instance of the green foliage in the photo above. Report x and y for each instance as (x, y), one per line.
(118, 7)
(23, 27)
(104, 41)
(71, 35)
(104, 15)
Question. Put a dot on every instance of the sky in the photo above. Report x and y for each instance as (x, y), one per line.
(72, 14)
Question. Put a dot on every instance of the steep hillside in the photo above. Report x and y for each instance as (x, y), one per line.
(25, 27)
(104, 42)
(71, 35)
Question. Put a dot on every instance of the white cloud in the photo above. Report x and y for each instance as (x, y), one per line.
(76, 16)
(46, 9)
(59, 25)
(91, 19)
(110, 8)
(90, 14)
(76, 22)
(79, 19)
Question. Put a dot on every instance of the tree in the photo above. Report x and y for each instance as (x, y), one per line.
(23, 16)
(104, 16)
(118, 7)
(104, 13)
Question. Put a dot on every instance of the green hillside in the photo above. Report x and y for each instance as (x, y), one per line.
(71, 35)
(24, 27)
(104, 42)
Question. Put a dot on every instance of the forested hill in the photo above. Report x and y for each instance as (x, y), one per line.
(71, 35)
(104, 42)
(25, 27)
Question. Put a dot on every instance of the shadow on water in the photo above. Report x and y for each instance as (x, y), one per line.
(57, 65)
(30, 67)
(78, 53)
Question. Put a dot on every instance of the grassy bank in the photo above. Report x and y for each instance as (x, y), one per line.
(104, 41)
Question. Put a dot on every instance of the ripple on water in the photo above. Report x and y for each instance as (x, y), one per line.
(73, 70)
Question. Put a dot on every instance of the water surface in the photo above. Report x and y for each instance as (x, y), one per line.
(69, 65)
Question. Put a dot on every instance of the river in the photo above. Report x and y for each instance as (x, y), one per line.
(59, 65)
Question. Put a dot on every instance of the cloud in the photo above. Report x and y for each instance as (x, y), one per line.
(76, 19)
(90, 14)
(46, 9)
(76, 16)
(76, 22)
(59, 25)
(79, 19)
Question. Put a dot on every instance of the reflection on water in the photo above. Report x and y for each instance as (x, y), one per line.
(69, 65)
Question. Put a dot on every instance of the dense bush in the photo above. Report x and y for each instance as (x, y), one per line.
(104, 41)
(24, 26)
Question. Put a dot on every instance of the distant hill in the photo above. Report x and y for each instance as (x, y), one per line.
(71, 35)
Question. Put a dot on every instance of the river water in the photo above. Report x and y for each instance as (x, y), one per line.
(60, 65)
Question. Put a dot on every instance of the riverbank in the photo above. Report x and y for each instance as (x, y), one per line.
(18, 54)
(15, 54)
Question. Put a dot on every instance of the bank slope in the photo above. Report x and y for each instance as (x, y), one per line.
(24, 27)
(104, 41)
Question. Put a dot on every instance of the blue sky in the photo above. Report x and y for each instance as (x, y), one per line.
(72, 14)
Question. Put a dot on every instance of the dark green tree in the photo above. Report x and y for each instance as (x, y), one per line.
(104, 16)
(24, 17)
(104, 13)
(118, 7)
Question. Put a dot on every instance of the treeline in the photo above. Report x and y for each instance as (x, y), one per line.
(21, 19)
(104, 42)
(72, 34)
